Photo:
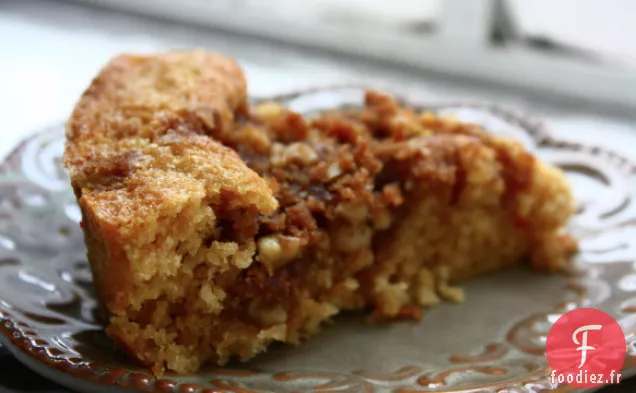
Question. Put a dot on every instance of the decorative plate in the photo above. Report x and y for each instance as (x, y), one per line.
(494, 342)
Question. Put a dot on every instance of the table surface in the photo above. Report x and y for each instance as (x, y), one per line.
(50, 53)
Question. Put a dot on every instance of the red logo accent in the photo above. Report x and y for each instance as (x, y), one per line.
(586, 348)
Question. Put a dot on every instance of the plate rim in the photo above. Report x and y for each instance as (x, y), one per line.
(38, 358)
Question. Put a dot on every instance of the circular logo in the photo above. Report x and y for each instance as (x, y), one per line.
(586, 348)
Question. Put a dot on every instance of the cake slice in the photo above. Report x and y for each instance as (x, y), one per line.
(213, 228)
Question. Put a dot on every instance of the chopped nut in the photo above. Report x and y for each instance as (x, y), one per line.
(392, 296)
(243, 257)
(333, 171)
(408, 125)
(454, 294)
(266, 316)
(277, 154)
(352, 238)
(256, 138)
(426, 293)
(212, 297)
(451, 122)
(275, 251)
(427, 297)
(276, 332)
(354, 212)
(268, 111)
(300, 152)
(351, 284)
(319, 310)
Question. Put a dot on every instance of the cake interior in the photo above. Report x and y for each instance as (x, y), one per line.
(381, 208)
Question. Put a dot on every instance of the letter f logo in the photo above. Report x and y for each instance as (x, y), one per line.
(583, 343)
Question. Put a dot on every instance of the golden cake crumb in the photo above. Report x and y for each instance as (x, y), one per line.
(214, 228)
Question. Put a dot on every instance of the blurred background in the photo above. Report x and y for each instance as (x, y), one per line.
(570, 62)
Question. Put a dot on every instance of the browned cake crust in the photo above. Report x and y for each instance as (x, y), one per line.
(213, 230)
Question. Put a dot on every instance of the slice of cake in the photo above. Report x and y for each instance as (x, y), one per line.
(214, 229)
